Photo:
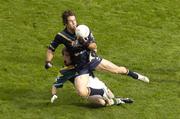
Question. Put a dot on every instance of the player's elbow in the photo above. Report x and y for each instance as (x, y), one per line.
(82, 92)
(49, 50)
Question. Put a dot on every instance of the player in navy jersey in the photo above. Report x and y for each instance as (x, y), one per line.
(80, 56)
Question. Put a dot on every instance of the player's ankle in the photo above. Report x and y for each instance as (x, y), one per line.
(132, 74)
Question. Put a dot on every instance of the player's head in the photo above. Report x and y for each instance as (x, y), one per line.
(69, 20)
(66, 57)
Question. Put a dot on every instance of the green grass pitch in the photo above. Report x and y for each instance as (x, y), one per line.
(143, 35)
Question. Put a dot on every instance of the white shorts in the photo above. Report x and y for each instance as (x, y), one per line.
(96, 83)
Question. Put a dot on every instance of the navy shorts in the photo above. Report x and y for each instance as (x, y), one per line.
(89, 67)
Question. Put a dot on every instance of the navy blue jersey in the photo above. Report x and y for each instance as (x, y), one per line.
(67, 41)
(79, 53)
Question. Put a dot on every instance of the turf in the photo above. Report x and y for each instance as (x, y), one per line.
(143, 35)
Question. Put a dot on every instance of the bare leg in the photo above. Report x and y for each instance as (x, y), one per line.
(102, 101)
(97, 100)
(106, 65)
(110, 94)
(81, 83)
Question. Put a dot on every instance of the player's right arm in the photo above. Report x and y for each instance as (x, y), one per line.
(51, 49)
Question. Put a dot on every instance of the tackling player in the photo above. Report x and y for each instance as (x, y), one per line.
(106, 98)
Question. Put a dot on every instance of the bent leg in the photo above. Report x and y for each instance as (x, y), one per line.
(81, 83)
(100, 101)
(97, 100)
(110, 94)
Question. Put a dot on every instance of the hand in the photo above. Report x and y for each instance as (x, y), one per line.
(84, 41)
(54, 97)
(48, 65)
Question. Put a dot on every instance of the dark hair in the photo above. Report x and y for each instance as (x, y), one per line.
(65, 50)
(66, 14)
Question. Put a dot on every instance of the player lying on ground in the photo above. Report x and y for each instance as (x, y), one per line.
(107, 99)
(105, 96)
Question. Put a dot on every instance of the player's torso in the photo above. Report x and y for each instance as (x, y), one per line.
(67, 38)
(80, 55)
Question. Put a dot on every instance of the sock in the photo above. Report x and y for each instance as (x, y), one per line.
(132, 74)
(96, 91)
(117, 101)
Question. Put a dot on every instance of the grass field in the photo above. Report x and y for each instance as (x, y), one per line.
(143, 35)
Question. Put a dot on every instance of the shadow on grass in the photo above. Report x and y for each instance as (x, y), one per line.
(25, 98)
(93, 106)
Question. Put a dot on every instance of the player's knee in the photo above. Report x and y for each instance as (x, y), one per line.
(101, 102)
(97, 101)
(83, 92)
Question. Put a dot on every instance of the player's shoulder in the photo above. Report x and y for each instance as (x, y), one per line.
(58, 34)
(59, 37)
(64, 31)
(66, 34)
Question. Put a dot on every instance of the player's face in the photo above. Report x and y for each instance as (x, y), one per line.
(67, 58)
(71, 23)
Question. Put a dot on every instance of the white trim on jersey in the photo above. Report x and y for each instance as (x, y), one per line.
(65, 37)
